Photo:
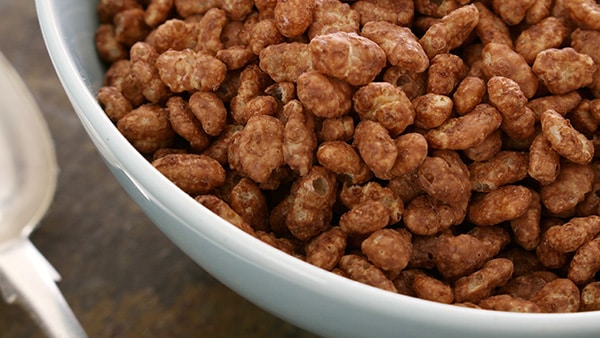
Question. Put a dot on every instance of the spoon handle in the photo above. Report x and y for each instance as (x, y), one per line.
(27, 277)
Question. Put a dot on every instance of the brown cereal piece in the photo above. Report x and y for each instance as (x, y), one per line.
(582, 118)
(119, 75)
(258, 105)
(480, 284)
(293, 17)
(433, 289)
(386, 104)
(544, 162)
(388, 249)
(523, 261)
(522, 129)
(210, 111)
(360, 270)
(209, 29)
(588, 42)
(399, 12)
(527, 286)
(441, 181)
(512, 11)
(283, 92)
(185, 123)
(230, 36)
(526, 228)
(107, 46)
(266, 8)
(539, 11)
(503, 204)
(347, 56)
(406, 186)
(353, 195)
(326, 250)
(436, 9)
(412, 83)
(299, 138)
(365, 218)
(143, 58)
(412, 151)
(465, 131)
(189, 71)
(549, 33)
(506, 95)
(187, 8)
(157, 12)
(491, 28)
(563, 70)
(330, 16)
(590, 297)
(282, 244)
(494, 239)
(336, 129)
(252, 83)
(451, 31)
(566, 140)
(586, 12)
(174, 34)
(423, 249)
(509, 303)
(219, 148)
(194, 174)
(400, 45)
(256, 151)
(549, 257)
(404, 281)
(130, 26)
(223, 210)
(324, 96)
(250, 203)
(427, 216)
(558, 296)
(501, 60)
(468, 94)
(457, 256)
(263, 34)
(376, 147)
(506, 167)
(431, 110)
(114, 104)
(589, 206)
(237, 9)
(107, 9)
(286, 61)
(147, 128)
(311, 208)
(586, 262)
(342, 159)
(573, 234)
(485, 150)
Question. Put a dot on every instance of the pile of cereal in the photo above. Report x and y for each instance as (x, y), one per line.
(438, 149)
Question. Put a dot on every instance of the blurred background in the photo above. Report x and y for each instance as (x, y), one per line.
(120, 274)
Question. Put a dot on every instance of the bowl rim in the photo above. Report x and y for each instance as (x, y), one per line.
(119, 152)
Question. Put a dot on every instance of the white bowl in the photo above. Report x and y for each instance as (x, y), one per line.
(298, 292)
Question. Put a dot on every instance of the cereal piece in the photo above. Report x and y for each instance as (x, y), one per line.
(480, 284)
(252, 83)
(258, 105)
(441, 181)
(506, 167)
(404, 281)
(412, 83)
(107, 9)
(512, 11)
(423, 249)
(347, 56)
(235, 57)
(590, 297)
(399, 12)
(503, 204)
(563, 70)
(468, 94)
(562, 104)
(185, 123)
(336, 129)
(465, 131)
(493, 238)
(388, 249)
(485, 150)
(427, 216)
(114, 104)
(558, 296)
(359, 269)
(194, 174)
(157, 12)
(431, 110)
(293, 17)
(412, 151)
(237, 9)
(174, 34)
(119, 75)
(400, 45)
(436, 8)
(130, 26)
(544, 162)
(549, 33)
(107, 46)
(256, 151)
(283, 92)
(365, 218)
(539, 11)
(528, 285)
(187, 70)
(509, 303)
(313, 199)
(353, 195)
(588, 42)
(250, 203)
(324, 96)
(573, 234)
(209, 29)
(266, 8)
(282, 244)
(585, 262)
(406, 186)
(582, 118)
(585, 11)
(451, 31)
(564, 139)
(342, 159)
(549, 257)
(286, 61)
(187, 8)
(147, 128)
(210, 111)
(460, 255)
(219, 148)
(376, 147)
(523, 261)
(491, 28)
(263, 34)
(432, 289)
(526, 228)
(299, 138)
(330, 16)
(506, 95)
(143, 58)
(501, 60)
(386, 104)
(326, 250)
(223, 210)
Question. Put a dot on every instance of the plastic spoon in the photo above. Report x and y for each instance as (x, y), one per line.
(28, 174)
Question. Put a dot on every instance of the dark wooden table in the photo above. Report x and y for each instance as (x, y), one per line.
(120, 274)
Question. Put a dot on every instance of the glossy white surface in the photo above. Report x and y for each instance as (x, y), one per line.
(297, 292)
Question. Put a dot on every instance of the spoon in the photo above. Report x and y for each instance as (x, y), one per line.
(28, 175)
